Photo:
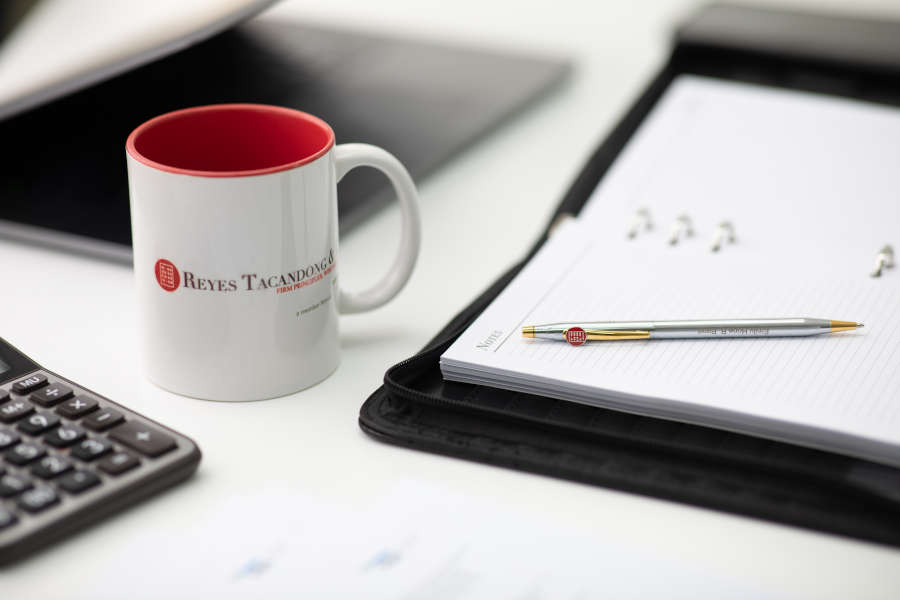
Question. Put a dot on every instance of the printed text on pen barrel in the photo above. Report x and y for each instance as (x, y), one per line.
(752, 331)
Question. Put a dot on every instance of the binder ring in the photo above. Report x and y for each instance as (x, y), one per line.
(642, 221)
(724, 233)
(884, 260)
(683, 227)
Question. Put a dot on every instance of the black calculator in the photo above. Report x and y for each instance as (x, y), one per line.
(70, 457)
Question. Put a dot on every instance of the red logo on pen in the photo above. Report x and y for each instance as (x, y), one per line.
(576, 336)
(167, 275)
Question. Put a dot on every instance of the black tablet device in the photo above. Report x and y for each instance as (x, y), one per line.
(62, 165)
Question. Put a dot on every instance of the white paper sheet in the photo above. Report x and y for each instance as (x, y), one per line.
(416, 542)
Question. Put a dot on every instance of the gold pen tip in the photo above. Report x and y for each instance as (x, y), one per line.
(528, 331)
(837, 326)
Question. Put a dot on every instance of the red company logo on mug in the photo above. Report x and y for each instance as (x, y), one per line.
(167, 275)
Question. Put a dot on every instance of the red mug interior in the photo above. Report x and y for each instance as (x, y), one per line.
(230, 140)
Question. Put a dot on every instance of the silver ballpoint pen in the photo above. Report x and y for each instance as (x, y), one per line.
(578, 333)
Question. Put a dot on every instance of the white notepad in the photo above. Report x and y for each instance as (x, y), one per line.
(812, 186)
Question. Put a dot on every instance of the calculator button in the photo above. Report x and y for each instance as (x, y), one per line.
(91, 448)
(52, 466)
(38, 499)
(65, 435)
(77, 407)
(10, 485)
(51, 395)
(38, 422)
(103, 419)
(8, 438)
(78, 481)
(144, 439)
(24, 453)
(118, 463)
(29, 384)
(15, 410)
(7, 518)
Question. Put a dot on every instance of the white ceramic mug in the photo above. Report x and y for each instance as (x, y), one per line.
(234, 224)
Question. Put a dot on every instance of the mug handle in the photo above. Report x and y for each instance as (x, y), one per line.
(350, 156)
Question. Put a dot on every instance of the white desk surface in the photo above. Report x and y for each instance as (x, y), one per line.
(480, 213)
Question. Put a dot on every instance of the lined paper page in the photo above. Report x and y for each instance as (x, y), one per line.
(805, 249)
(797, 173)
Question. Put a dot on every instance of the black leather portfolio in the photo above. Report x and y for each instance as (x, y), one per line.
(708, 467)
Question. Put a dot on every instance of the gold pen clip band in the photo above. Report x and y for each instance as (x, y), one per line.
(614, 334)
(577, 336)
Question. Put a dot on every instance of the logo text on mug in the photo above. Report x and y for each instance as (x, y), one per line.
(167, 275)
